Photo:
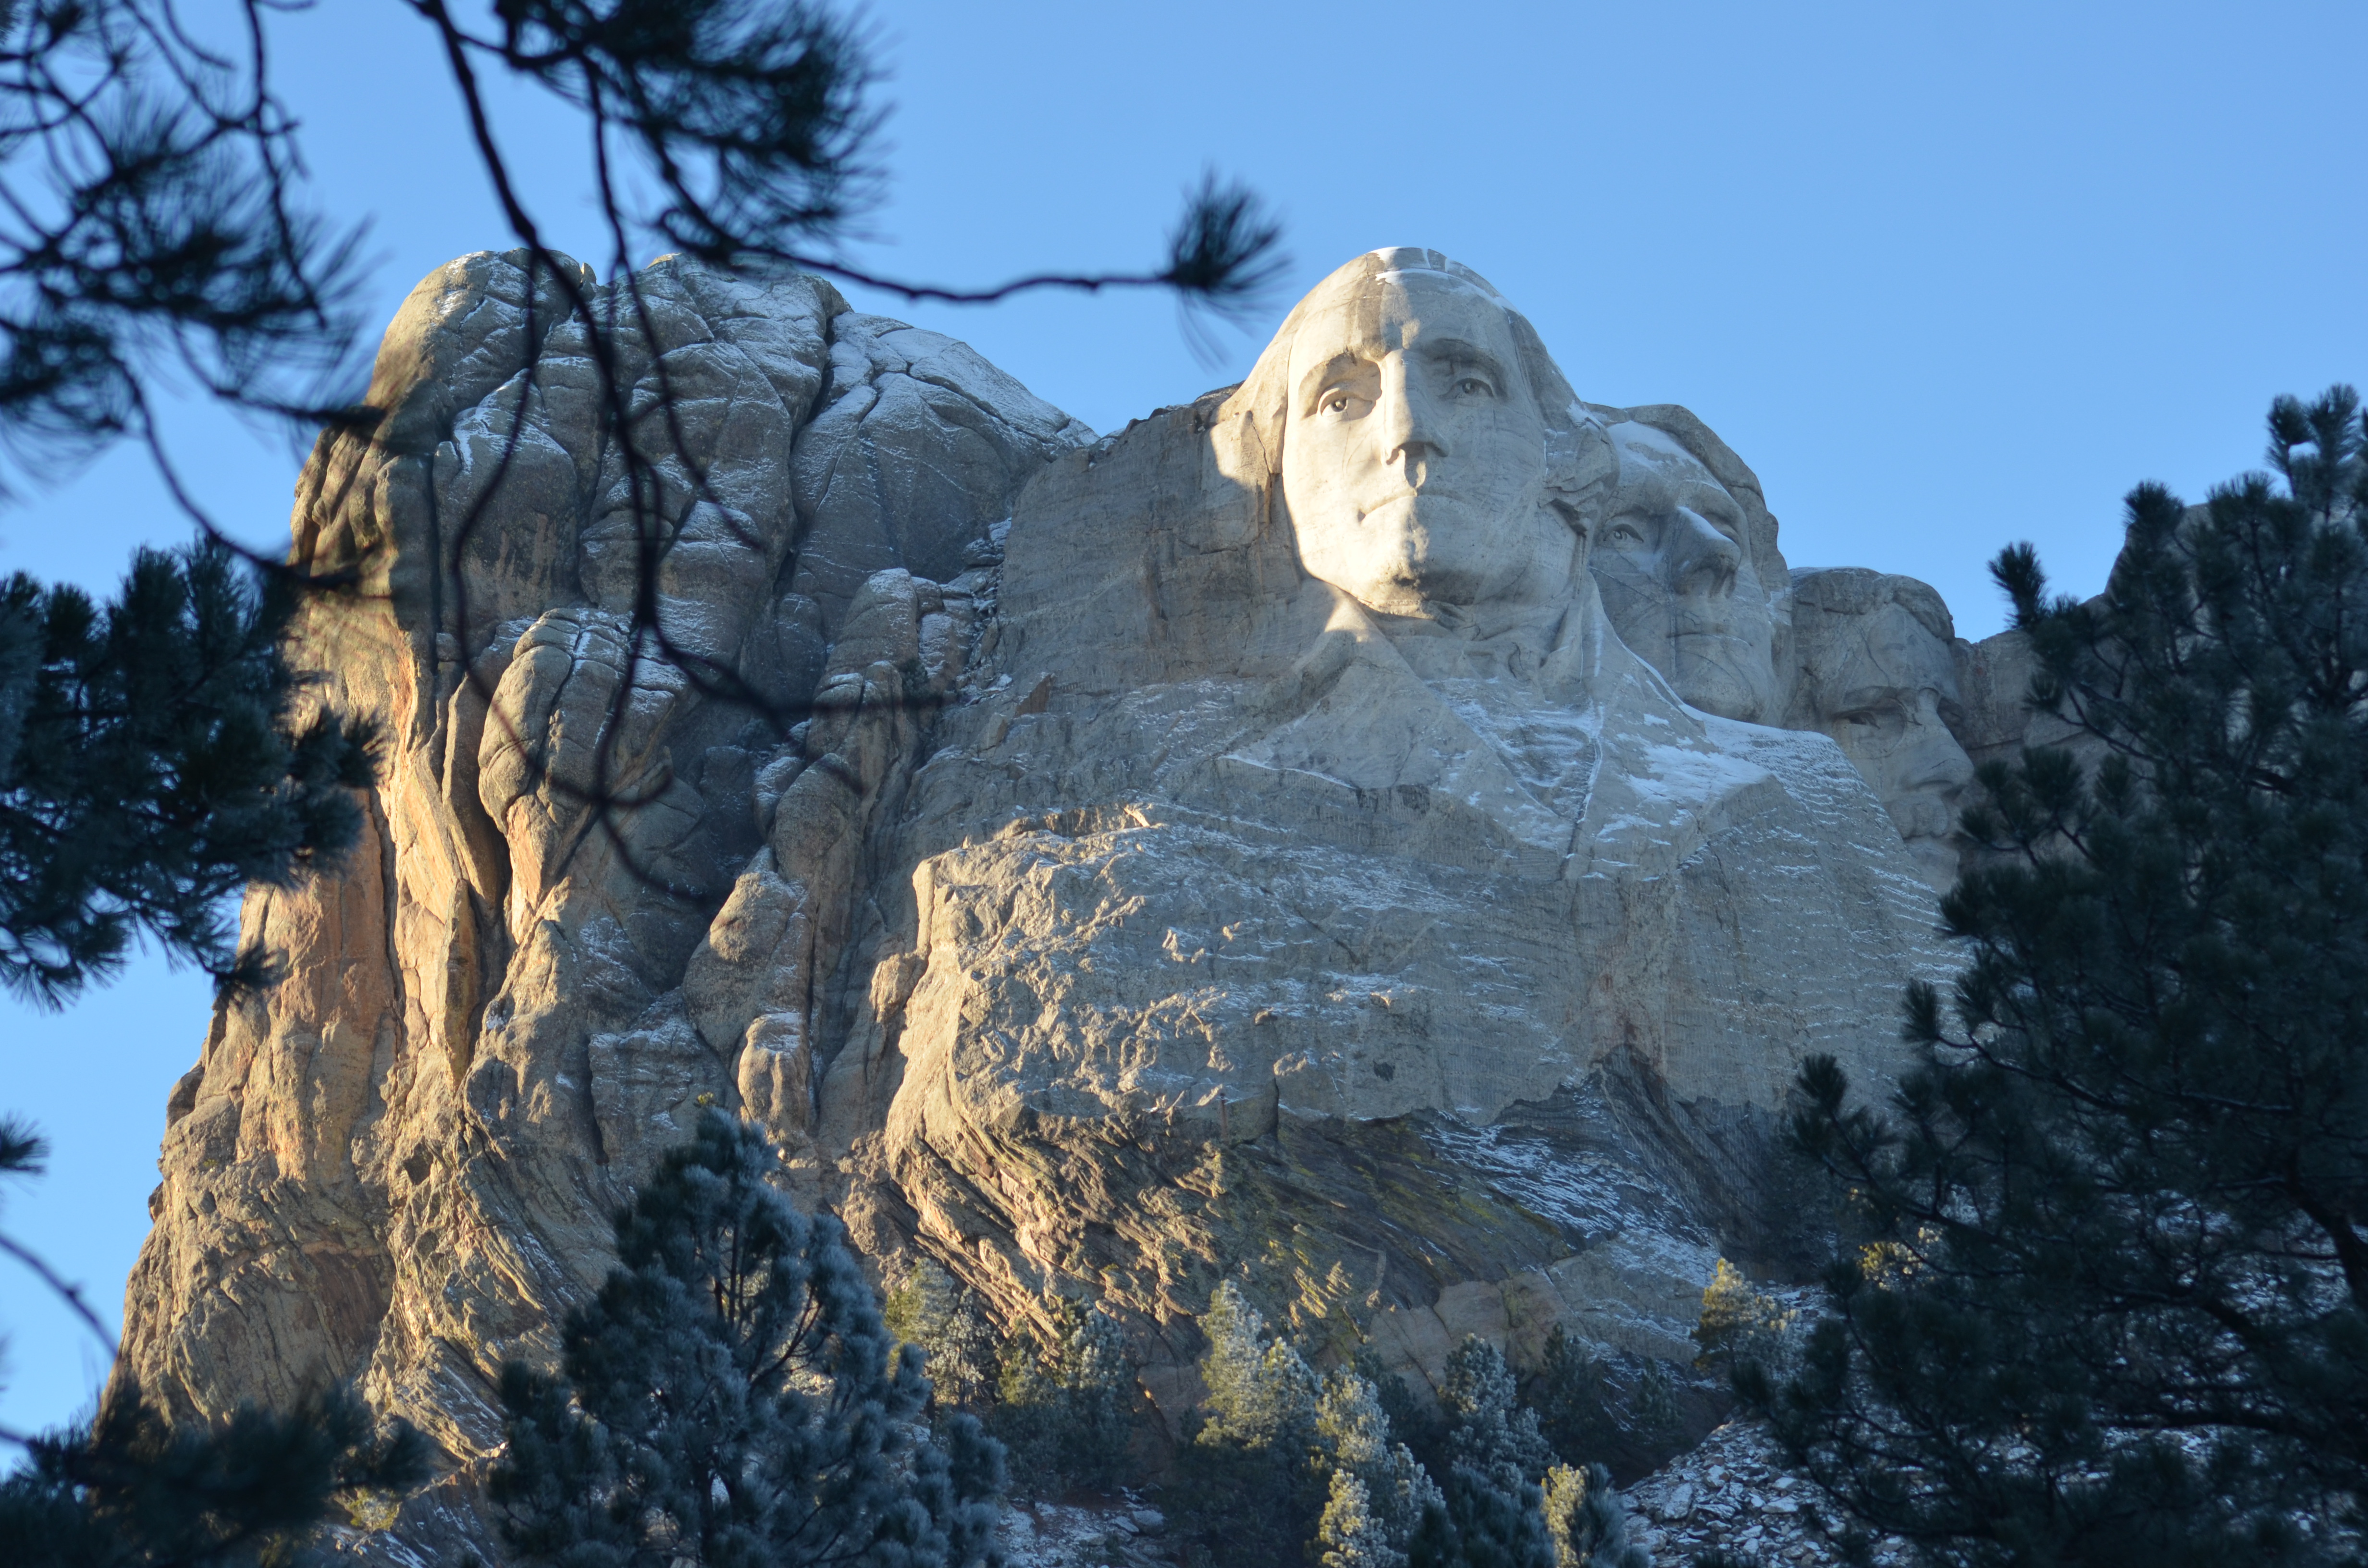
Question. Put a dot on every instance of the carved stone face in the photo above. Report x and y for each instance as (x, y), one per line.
(1414, 462)
(1882, 681)
(1673, 564)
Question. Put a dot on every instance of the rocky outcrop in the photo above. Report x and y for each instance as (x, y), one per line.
(1084, 894)
(395, 1166)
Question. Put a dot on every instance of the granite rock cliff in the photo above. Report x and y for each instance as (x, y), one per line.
(1131, 907)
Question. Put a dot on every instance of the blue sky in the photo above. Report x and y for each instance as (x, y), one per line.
(1947, 276)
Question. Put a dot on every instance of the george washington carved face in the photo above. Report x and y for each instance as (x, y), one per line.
(1417, 453)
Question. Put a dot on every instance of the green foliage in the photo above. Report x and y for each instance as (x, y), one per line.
(1588, 1526)
(1488, 1430)
(1620, 1410)
(1738, 1323)
(1349, 1534)
(1248, 1486)
(1096, 1380)
(1484, 1524)
(927, 1309)
(1353, 1438)
(1261, 1392)
(1068, 1410)
(730, 1396)
(1065, 1402)
(2112, 1305)
(130, 1490)
(1415, 1423)
(151, 766)
(1280, 1454)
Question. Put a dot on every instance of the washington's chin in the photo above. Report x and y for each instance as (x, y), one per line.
(1403, 571)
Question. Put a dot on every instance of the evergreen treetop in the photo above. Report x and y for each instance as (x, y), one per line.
(730, 1398)
(2112, 1300)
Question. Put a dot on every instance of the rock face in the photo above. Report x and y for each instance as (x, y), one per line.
(1243, 846)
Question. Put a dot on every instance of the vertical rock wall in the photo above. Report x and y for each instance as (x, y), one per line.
(396, 1166)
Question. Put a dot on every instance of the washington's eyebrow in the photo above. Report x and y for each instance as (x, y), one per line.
(1312, 384)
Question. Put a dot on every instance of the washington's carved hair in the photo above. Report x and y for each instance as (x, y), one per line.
(1580, 464)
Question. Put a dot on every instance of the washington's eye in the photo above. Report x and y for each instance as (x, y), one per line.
(1336, 402)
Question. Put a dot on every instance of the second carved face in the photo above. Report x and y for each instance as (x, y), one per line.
(1673, 562)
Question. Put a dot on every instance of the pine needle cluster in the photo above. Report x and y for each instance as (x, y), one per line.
(153, 761)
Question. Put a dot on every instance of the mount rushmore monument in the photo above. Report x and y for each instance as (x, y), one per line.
(1384, 834)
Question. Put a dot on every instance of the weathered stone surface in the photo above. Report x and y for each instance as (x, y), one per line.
(1244, 847)
(1687, 562)
(1239, 903)
(1877, 667)
(396, 1166)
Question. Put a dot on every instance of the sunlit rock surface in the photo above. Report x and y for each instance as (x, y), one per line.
(1099, 900)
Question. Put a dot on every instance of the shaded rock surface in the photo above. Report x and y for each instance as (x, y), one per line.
(1099, 904)
(1732, 1493)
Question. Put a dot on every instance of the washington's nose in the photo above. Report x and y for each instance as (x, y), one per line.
(1409, 428)
(1704, 563)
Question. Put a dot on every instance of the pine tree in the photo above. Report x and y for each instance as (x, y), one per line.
(1739, 1324)
(1493, 1514)
(2112, 1300)
(1353, 1438)
(1489, 1430)
(1247, 1488)
(1280, 1455)
(729, 1398)
(1484, 1524)
(1587, 1522)
(1598, 1406)
(1097, 1408)
(1350, 1534)
(131, 1489)
(929, 1309)
(1067, 1410)
(1261, 1392)
(153, 762)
